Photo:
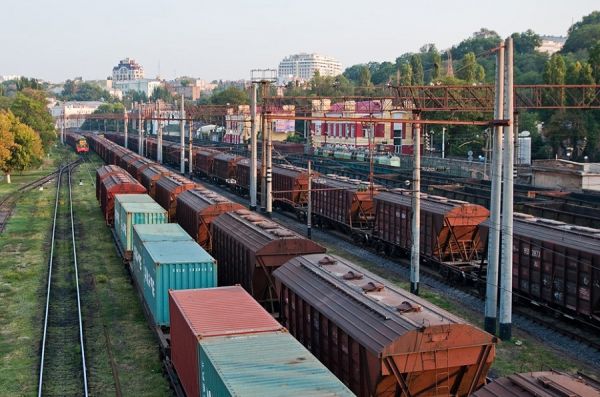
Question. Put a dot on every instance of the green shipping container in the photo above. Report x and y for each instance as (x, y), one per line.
(260, 365)
(129, 214)
(162, 265)
(130, 198)
(160, 232)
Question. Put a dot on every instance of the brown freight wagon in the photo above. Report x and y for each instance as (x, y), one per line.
(379, 339)
(242, 176)
(557, 265)
(203, 162)
(248, 247)
(196, 209)
(151, 175)
(343, 202)
(293, 181)
(536, 384)
(136, 168)
(167, 190)
(104, 172)
(128, 159)
(449, 228)
(224, 167)
(117, 153)
(121, 183)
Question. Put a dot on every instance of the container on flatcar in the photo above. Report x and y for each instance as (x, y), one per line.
(137, 210)
(449, 228)
(196, 209)
(275, 364)
(535, 384)
(248, 247)
(151, 175)
(201, 314)
(143, 233)
(167, 190)
(121, 183)
(379, 339)
(159, 266)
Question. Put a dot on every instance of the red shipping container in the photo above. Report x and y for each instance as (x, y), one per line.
(210, 312)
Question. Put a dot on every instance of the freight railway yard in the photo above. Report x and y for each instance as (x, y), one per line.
(138, 263)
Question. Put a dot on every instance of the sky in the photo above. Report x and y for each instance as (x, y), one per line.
(225, 39)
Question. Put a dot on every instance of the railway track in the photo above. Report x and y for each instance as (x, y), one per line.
(63, 368)
(561, 333)
(7, 203)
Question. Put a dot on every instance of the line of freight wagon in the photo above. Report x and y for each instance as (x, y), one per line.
(555, 264)
(377, 339)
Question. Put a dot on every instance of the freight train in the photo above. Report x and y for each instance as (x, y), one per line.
(555, 264)
(254, 252)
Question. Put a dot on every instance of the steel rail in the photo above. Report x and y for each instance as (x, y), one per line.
(50, 263)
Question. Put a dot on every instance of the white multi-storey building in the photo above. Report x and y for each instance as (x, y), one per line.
(127, 69)
(72, 113)
(551, 44)
(303, 67)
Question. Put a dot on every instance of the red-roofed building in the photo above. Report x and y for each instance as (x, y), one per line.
(392, 137)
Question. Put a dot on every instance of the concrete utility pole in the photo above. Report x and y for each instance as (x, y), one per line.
(159, 138)
(309, 205)
(263, 165)
(125, 126)
(444, 142)
(491, 293)
(507, 202)
(269, 189)
(415, 250)
(182, 136)
(253, 151)
(190, 142)
(62, 127)
(140, 129)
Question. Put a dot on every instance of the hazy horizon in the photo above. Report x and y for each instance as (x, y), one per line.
(66, 39)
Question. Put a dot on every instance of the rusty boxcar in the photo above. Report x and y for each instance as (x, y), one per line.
(242, 176)
(224, 164)
(450, 232)
(150, 175)
(535, 384)
(136, 168)
(203, 162)
(196, 209)
(557, 264)
(248, 247)
(378, 339)
(119, 183)
(343, 202)
(168, 188)
(293, 182)
(104, 172)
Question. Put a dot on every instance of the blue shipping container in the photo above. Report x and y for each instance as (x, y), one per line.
(162, 265)
(260, 365)
(129, 214)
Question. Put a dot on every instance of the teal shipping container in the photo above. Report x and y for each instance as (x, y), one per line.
(160, 232)
(129, 214)
(260, 365)
(158, 266)
(130, 198)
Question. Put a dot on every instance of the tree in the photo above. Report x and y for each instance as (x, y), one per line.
(480, 42)
(364, 77)
(555, 70)
(417, 70)
(26, 151)
(436, 72)
(76, 90)
(406, 74)
(583, 34)
(231, 95)
(30, 107)
(353, 73)
(163, 94)
(6, 139)
(526, 42)
(470, 70)
(594, 60)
